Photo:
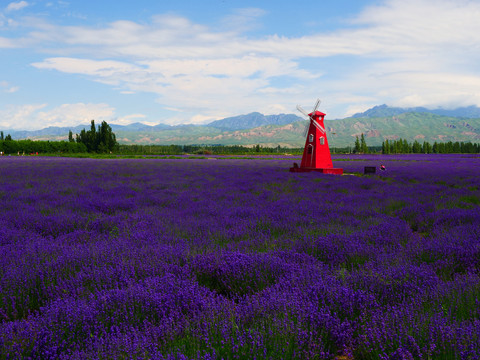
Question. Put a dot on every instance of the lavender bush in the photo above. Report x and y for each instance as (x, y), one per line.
(239, 259)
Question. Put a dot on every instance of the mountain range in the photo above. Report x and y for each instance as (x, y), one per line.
(377, 124)
(470, 112)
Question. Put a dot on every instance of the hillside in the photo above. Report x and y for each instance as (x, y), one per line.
(377, 124)
(410, 126)
(471, 112)
(252, 120)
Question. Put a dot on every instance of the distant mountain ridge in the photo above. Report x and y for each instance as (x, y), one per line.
(469, 112)
(253, 120)
(377, 124)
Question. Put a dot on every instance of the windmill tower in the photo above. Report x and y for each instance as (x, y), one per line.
(316, 154)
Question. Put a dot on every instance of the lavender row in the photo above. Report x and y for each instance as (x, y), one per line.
(232, 259)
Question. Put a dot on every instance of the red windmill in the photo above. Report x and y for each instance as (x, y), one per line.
(316, 155)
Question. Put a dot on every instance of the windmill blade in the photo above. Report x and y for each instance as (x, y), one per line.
(307, 126)
(316, 106)
(318, 126)
(299, 108)
(305, 131)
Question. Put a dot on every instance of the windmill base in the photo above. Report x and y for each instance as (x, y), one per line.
(333, 171)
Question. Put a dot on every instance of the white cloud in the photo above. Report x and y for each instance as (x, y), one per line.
(7, 43)
(201, 119)
(19, 117)
(106, 71)
(395, 27)
(191, 85)
(243, 19)
(14, 6)
(74, 114)
(7, 88)
(128, 119)
(434, 89)
(31, 117)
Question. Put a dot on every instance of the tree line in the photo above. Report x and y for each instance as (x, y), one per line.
(402, 146)
(95, 140)
(361, 145)
(26, 147)
(101, 139)
(204, 149)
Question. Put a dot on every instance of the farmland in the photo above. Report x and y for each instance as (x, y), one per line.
(239, 259)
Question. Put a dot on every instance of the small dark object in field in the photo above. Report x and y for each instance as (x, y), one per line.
(369, 170)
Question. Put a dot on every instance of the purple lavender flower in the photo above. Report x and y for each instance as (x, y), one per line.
(239, 258)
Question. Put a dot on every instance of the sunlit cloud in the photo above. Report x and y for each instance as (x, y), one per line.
(191, 85)
(132, 118)
(22, 117)
(14, 6)
(243, 20)
(74, 114)
(7, 88)
(19, 117)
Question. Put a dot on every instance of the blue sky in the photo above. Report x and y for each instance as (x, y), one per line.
(64, 63)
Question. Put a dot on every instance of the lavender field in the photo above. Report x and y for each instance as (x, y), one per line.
(239, 259)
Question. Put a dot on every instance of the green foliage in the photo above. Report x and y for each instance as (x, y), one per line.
(402, 146)
(204, 150)
(360, 146)
(26, 147)
(357, 145)
(363, 144)
(102, 140)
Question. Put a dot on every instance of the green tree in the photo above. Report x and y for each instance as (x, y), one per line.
(357, 145)
(386, 147)
(426, 147)
(363, 145)
(441, 148)
(416, 147)
(70, 136)
(9, 145)
(448, 147)
(456, 147)
(103, 140)
(87, 138)
(106, 138)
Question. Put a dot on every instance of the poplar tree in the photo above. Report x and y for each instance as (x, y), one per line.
(357, 145)
(387, 147)
(363, 144)
(103, 140)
